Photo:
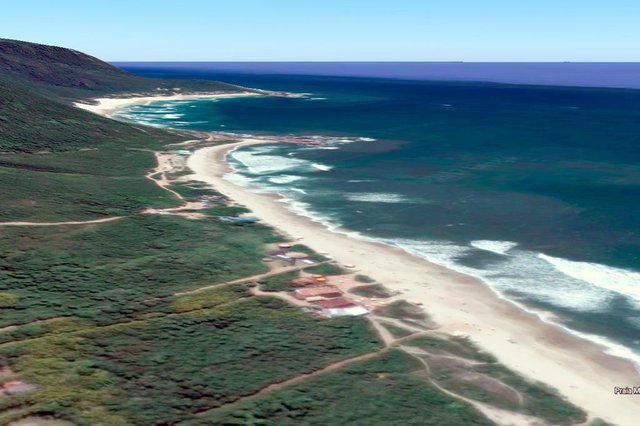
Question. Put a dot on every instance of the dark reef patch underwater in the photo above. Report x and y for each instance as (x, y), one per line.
(534, 189)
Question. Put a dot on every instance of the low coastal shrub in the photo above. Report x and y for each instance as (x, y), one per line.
(312, 254)
(396, 331)
(366, 279)
(225, 211)
(8, 300)
(117, 270)
(401, 309)
(539, 399)
(209, 298)
(279, 282)
(326, 269)
(193, 190)
(380, 390)
(166, 369)
(453, 346)
(68, 187)
(511, 392)
(375, 290)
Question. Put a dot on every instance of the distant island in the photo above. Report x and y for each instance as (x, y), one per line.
(138, 286)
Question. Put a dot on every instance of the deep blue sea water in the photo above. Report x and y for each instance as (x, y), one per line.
(534, 189)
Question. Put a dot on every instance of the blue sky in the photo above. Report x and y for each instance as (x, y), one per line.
(332, 30)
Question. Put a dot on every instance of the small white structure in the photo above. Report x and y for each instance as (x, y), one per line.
(340, 307)
(352, 311)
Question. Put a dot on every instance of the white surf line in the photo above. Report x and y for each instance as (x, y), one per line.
(86, 222)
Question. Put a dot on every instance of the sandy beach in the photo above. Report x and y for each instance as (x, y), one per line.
(106, 106)
(578, 368)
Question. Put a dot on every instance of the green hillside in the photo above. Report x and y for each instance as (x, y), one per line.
(117, 310)
(32, 123)
(39, 83)
(65, 73)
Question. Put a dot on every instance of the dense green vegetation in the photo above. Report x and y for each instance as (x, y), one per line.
(210, 297)
(36, 196)
(32, 123)
(381, 391)
(60, 72)
(279, 282)
(487, 381)
(163, 369)
(38, 84)
(132, 321)
(118, 269)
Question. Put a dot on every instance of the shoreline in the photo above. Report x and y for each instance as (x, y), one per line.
(520, 339)
(107, 106)
(609, 347)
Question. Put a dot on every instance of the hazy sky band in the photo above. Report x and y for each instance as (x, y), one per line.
(333, 30)
(581, 74)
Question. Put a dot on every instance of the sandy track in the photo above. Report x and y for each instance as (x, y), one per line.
(541, 351)
(85, 222)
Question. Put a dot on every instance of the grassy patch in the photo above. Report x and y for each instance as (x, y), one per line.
(375, 290)
(401, 309)
(68, 188)
(312, 254)
(210, 298)
(192, 190)
(396, 331)
(491, 382)
(108, 272)
(458, 347)
(326, 269)
(162, 370)
(539, 399)
(364, 279)
(377, 392)
(226, 211)
(279, 282)
(407, 313)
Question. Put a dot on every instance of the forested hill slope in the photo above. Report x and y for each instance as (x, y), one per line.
(58, 72)
(39, 83)
(33, 123)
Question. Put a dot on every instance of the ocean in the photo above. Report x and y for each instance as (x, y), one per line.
(534, 189)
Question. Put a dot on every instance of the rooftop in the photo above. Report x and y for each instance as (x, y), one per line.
(341, 302)
(317, 291)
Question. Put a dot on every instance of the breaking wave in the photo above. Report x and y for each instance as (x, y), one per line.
(528, 276)
(377, 197)
(498, 247)
(617, 280)
(284, 179)
(258, 163)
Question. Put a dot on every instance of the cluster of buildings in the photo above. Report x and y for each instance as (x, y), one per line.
(326, 299)
(322, 293)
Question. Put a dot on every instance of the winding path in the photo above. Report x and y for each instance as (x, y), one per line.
(84, 222)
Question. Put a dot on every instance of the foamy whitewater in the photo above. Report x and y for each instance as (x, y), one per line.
(376, 197)
(478, 178)
(515, 274)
